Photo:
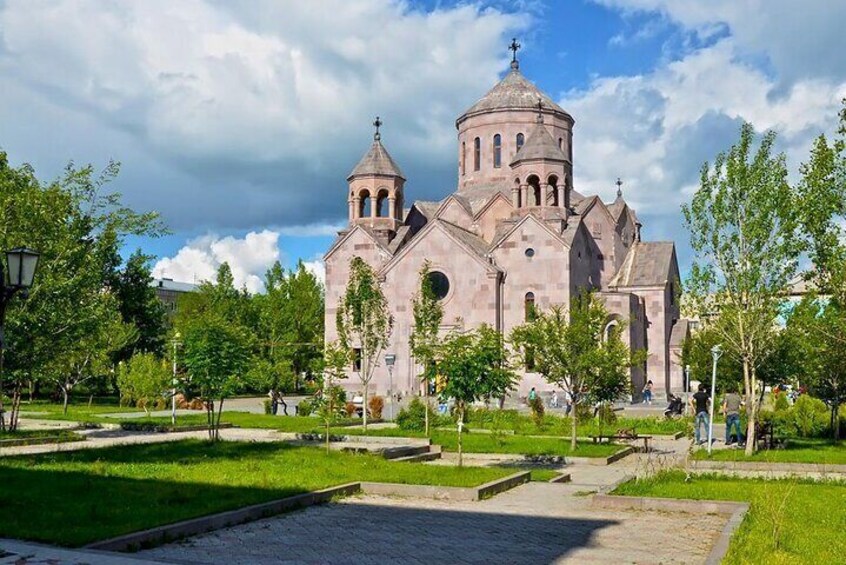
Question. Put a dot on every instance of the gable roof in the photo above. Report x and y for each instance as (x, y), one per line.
(679, 333)
(342, 237)
(377, 161)
(648, 263)
(505, 229)
(539, 145)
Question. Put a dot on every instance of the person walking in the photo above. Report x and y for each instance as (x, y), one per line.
(701, 403)
(647, 392)
(732, 402)
(532, 394)
(274, 404)
(554, 402)
(281, 400)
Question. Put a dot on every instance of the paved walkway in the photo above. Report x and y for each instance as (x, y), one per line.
(534, 523)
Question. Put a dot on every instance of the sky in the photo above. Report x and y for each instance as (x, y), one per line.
(239, 120)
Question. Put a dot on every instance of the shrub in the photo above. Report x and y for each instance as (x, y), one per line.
(536, 406)
(810, 416)
(781, 402)
(350, 409)
(375, 406)
(305, 407)
(607, 415)
(267, 403)
(781, 421)
(412, 418)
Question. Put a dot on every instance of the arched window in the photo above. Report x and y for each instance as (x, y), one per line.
(382, 204)
(520, 140)
(477, 154)
(497, 151)
(611, 328)
(561, 143)
(529, 307)
(463, 157)
(364, 204)
(534, 191)
(553, 187)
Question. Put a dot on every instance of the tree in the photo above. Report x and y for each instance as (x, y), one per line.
(77, 226)
(473, 365)
(744, 233)
(216, 354)
(822, 327)
(143, 379)
(139, 306)
(423, 341)
(335, 362)
(567, 349)
(364, 322)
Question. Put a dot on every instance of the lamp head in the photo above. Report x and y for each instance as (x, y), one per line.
(21, 263)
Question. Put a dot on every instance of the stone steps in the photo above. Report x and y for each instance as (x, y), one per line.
(433, 453)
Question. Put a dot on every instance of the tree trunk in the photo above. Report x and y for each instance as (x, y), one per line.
(460, 430)
(574, 422)
(210, 418)
(217, 423)
(426, 412)
(835, 420)
(65, 394)
(16, 409)
(751, 407)
(364, 405)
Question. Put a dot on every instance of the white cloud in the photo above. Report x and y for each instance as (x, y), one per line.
(264, 105)
(317, 267)
(248, 257)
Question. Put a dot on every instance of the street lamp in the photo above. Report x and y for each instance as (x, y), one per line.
(176, 344)
(390, 359)
(21, 263)
(716, 352)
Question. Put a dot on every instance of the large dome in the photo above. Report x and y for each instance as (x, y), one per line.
(514, 92)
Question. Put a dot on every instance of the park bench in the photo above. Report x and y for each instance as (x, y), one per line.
(626, 434)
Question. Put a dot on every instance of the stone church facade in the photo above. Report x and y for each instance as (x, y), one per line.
(514, 235)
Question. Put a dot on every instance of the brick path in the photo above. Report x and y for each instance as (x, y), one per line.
(534, 523)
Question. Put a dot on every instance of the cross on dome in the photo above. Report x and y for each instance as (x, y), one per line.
(513, 48)
(377, 136)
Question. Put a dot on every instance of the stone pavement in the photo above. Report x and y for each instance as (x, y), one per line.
(13, 552)
(534, 523)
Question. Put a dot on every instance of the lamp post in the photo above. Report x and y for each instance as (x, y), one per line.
(716, 352)
(176, 344)
(21, 264)
(390, 359)
(686, 388)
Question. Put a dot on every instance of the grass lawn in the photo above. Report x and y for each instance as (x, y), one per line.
(33, 435)
(75, 498)
(520, 423)
(795, 451)
(789, 521)
(521, 445)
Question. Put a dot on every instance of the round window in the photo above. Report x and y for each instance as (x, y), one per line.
(530, 252)
(440, 284)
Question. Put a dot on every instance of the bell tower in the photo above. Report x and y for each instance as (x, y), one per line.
(375, 193)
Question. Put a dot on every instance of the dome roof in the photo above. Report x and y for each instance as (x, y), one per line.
(377, 161)
(514, 92)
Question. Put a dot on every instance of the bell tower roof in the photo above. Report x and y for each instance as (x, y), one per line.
(540, 146)
(377, 161)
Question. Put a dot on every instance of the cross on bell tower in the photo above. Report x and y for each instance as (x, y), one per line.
(513, 48)
(377, 136)
(619, 184)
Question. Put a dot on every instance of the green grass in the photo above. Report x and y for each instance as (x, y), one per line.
(74, 498)
(520, 445)
(795, 451)
(35, 435)
(521, 423)
(544, 475)
(80, 412)
(789, 521)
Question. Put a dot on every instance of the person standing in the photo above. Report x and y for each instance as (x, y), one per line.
(701, 402)
(732, 402)
(274, 404)
(555, 399)
(647, 392)
(532, 394)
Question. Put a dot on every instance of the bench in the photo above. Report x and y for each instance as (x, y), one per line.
(624, 434)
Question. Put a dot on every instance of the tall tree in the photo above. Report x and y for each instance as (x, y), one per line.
(364, 322)
(744, 233)
(139, 306)
(567, 348)
(473, 366)
(143, 379)
(335, 362)
(77, 226)
(423, 341)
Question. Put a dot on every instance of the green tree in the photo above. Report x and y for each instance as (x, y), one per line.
(217, 355)
(473, 365)
(364, 322)
(329, 402)
(143, 379)
(423, 341)
(744, 233)
(568, 350)
(139, 306)
(77, 225)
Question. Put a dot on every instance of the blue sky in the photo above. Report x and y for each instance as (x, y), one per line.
(239, 120)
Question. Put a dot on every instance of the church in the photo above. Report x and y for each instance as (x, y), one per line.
(515, 235)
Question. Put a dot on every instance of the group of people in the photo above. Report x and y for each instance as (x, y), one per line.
(732, 403)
